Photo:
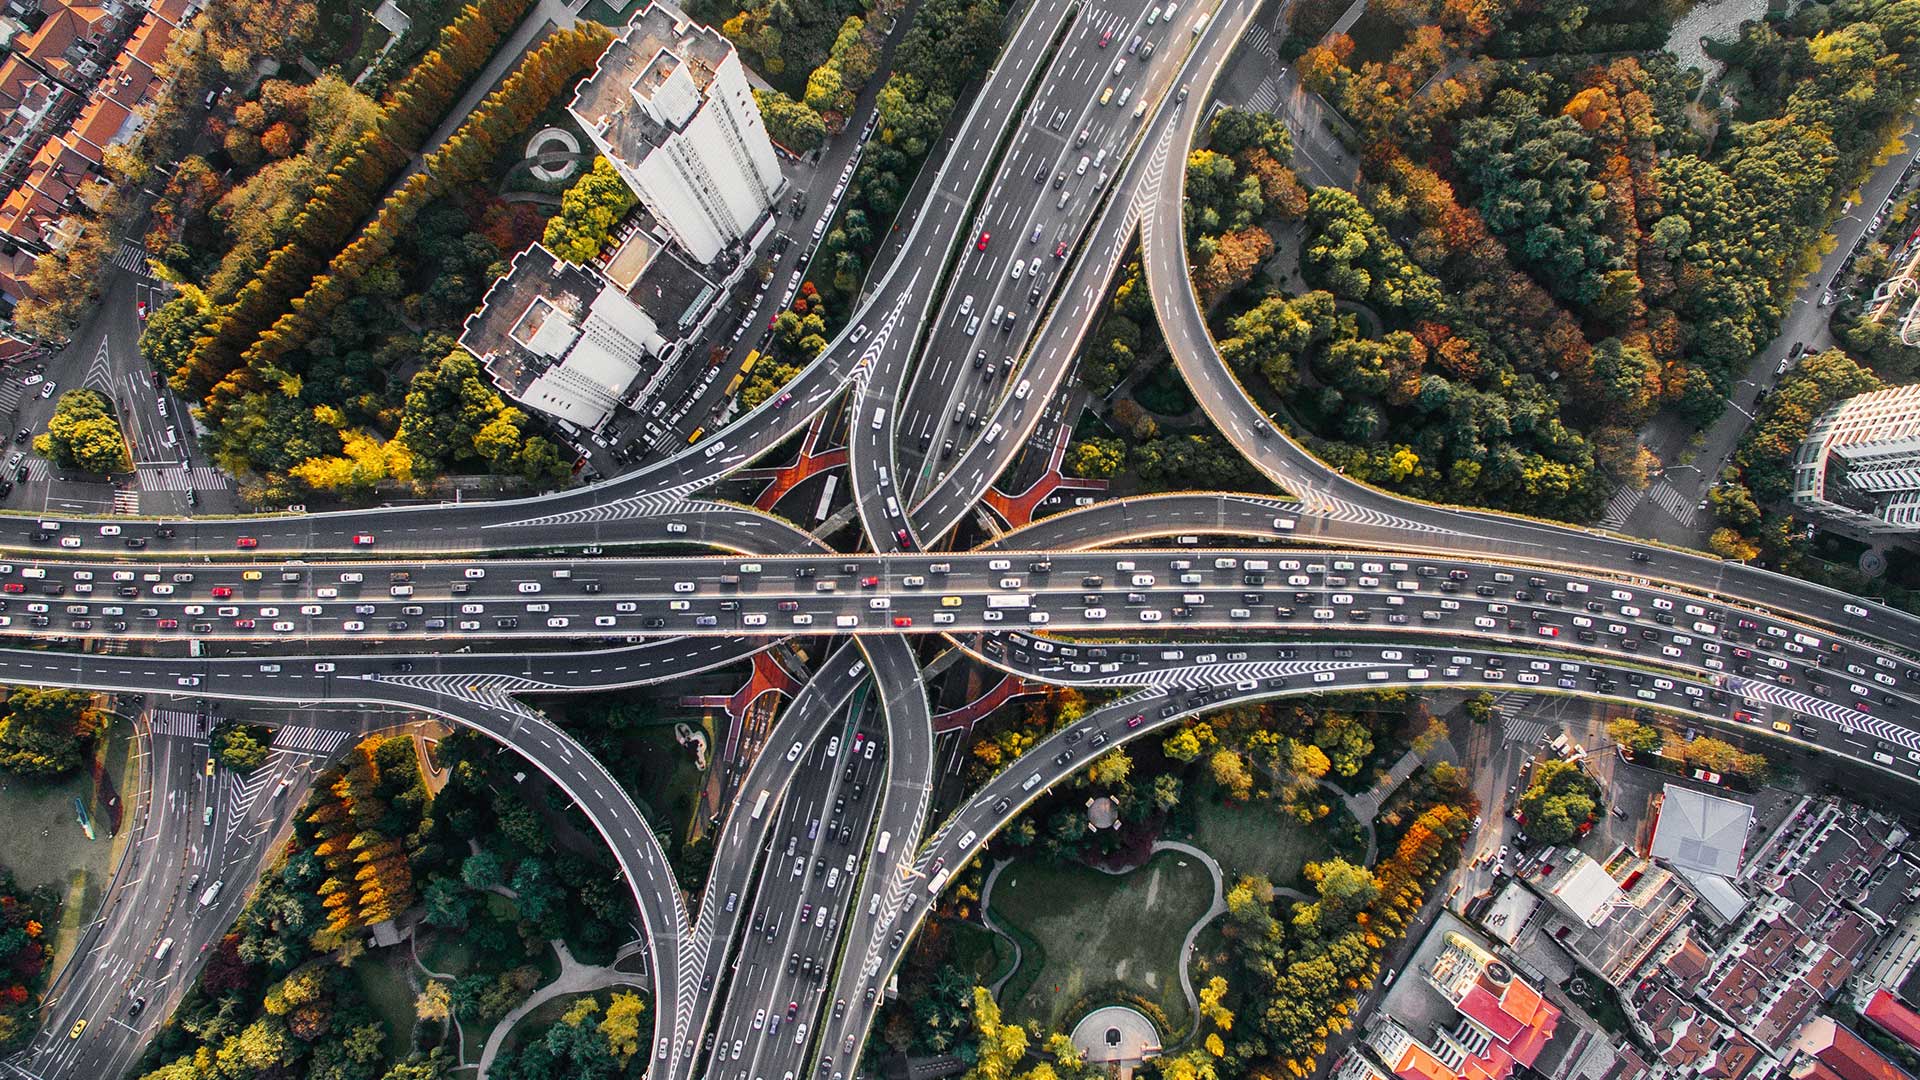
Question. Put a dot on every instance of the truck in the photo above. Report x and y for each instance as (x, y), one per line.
(1010, 600)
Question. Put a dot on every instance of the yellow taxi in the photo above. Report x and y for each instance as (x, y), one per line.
(949, 601)
(78, 1027)
(251, 575)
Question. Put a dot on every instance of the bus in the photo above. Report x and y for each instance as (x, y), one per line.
(753, 357)
(695, 437)
(1010, 600)
(826, 497)
(760, 805)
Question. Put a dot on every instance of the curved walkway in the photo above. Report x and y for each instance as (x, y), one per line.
(986, 919)
(574, 978)
(1214, 911)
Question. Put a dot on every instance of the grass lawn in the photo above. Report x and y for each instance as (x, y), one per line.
(1257, 840)
(668, 779)
(44, 844)
(447, 954)
(1120, 932)
(981, 953)
(383, 978)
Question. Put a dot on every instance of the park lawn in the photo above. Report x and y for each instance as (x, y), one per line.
(1101, 930)
(672, 783)
(1256, 839)
(383, 978)
(981, 953)
(44, 844)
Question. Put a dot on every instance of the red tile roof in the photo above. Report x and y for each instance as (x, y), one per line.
(1845, 1053)
(1898, 1020)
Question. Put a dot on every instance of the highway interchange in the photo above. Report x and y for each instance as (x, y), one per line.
(826, 861)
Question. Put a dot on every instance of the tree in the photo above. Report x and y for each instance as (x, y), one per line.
(1731, 546)
(241, 747)
(793, 124)
(1110, 770)
(46, 732)
(588, 212)
(434, 1003)
(1636, 737)
(82, 434)
(1096, 457)
(1560, 800)
(621, 1028)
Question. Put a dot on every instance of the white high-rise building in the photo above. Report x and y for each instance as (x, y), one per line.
(1860, 463)
(669, 106)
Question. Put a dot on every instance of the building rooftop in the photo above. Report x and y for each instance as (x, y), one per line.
(1698, 831)
(1898, 1020)
(1844, 1052)
(671, 291)
(657, 45)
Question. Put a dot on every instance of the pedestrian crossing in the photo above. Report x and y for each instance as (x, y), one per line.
(132, 258)
(1513, 729)
(320, 742)
(1621, 507)
(1260, 40)
(11, 394)
(1669, 499)
(1266, 97)
(38, 470)
(199, 478)
(174, 723)
(126, 501)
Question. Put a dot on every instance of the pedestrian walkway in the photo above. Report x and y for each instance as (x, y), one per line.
(1621, 507)
(1017, 510)
(183, 725)
(574, 978)
(964, 717)
(132, 258)
(320, 742)
(1669, 499)
(126, 501)
(174, 478)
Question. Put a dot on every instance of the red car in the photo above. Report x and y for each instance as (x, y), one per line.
(1105, 38)
(243, 624)
(363, 539)
(169, 624)
(221, 592)
(1060, 250)
(249, 542)
(981, 244)
(869, 582)
(15, 587)
(901, 535)
(1136, 721)
(1549, 631)
(902, 620)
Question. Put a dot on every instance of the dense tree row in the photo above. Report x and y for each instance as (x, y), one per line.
(588, 212)
(1593, 228)
(23, 958)
(350, 190)
(950, 43)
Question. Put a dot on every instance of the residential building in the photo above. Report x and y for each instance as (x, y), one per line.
(669, 106)
(1611, 916)
(1860, 463)
(1500, 1022)
(1829, 1051)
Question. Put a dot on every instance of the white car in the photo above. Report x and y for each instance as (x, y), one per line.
(309, 609)
(755, 619)
(558, 622)
(283, 627)
(534, 586)
(188, 680)
(625, 606)
(1094, 613)
(941, 618)
(472, 609)
(603, 620)
(353, 626)
(683, 586)
(109, 530)
(69, 541)
(803, 620)
(476, 572)
(992, 615)
(679, 605)
(1150, 615)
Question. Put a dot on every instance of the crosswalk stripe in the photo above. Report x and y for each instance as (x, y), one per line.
(202, 478)
(1672, 502)
(184, 725)
(132, 258)
(1621, 506)
(126, 501)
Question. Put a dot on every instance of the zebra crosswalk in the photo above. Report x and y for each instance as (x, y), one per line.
(1260, 40)
(173, 722)
(320, 742)
(1621, 507)
(126, 501)
(199, 478)
(1669, 499)
(132, 258)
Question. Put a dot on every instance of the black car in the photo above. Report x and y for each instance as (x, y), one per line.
(6, 488)
(135, 1008)
(21, 436)
(133, 542)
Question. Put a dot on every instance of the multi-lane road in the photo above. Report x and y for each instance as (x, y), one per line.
(823, 865)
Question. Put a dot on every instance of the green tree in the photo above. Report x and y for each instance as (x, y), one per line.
(46, 732)
(1638, 738)
(1560, 799)
(588, 212)
(241, 747)
(82, 434)
(1096, 457)
(793, 124)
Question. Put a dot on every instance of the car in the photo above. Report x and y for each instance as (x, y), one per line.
(47, 390)
(221, 592)
(79, 1026)
(1060, 250)
(247, 542)
(69, 541)
(187, 680)
(363, 539)
(1106, 37)
(981, 244)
